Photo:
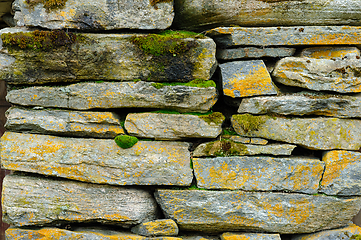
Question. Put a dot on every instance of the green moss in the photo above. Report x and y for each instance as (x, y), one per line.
(215, 117)
(356, 237)
(225, 148)
(194, 187)
(166, 111)
(229, 132)
(194, 83)
(48, 4)
(249, 122)
(158, 85)
(125, 141)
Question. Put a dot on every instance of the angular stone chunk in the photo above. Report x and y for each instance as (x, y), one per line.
(246, 78)
(60, 122)
(312, 133)
(252, 52)
(342, 76)
(39, 201)
(161, 227)
(249, 236)
(98, 160)
(220, 211)
(84, 96)
(293, 174)
(331, 52)
(335, 234)
(164, 126)
(286, 36)
(342, 173)
(304, 103)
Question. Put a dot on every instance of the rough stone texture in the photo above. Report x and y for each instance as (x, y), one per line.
(257, 141)
(107, 95)
(39, 201)
(98, 161)
(161, 227)
(249, 236)
(304, 103)
(293, 174)
(252, 52)
(330, 52)
(111, 57)
(313, 133)
(336, 234)
(97, 15)
(342, 76)
(342, 173)
(163, 126)
(220, 211)
(287, 36)
(67, 123)
(246, 78)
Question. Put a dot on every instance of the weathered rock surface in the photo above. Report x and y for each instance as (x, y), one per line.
(331, 52)
(164, 126)
(286, 36)
(312, 133)
(220, 211)
(253, 52)
(342, 173)
(98, 161)
(342, 76)
(246, 78)
(336, 234)
(249, 236)
(40, 201)
(293, 174)
(160, 227)
(67, 123)
(304, 103)
(257, 141)
(107, 95)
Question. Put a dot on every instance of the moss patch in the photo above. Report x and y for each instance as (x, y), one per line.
(225, 148)
(249, 122)
(215, 117)
(356, 237)
(48, 4)
(125, 141)
(201, 83)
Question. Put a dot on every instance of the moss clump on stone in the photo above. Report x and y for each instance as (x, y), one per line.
(215, 117)
(48, 4)
(125, 141)
(201, 83)
(356, 237)
(249, 122)
(225, 148)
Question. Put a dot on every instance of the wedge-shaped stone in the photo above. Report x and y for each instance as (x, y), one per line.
(160, 227)
(293, 174)
(44, 201)
(342, 173)
(164, 126)
(249, 236)
(107, 57)
(342, 76)
(312, 133)
(60, 122)
(246, 78)
(107, 95)
(98, 160)
(253, 52)
(331, 52)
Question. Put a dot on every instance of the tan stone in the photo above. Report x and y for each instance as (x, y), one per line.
(249, 236)
(331, 52)
(160, 227)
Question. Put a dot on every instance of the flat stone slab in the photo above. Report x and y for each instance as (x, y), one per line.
(256, 141)
(331, 52)
(164, 126)
(44, 201)
(284, 213)
(253, 52)
(98, 160)
(313, 133)
(66, 123)
(160, 227)
(249, 236)
(294, 174)
(336, 234)
(343, 76)
(84, 96)
(342, 173)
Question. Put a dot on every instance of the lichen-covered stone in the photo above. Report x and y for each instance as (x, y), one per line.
(98, 160)
(84, 96)
(67, 123)
(220, 211)
(164, 126)
(249, 236)
(293, 174)
(313, 133)
(342, 173)
(253, 52)
(330, 52)
(38, 201)
(160, 227)
(246, 78)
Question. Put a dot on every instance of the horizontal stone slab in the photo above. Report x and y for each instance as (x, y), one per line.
(160, 227)
(220, 211)
(253, 52)
(331, 52)
(36, 201)
(98, 160)
(294, 174)
(164, 126)
(84, 96)
(335, 234)
(286, 36)
(249, 236)
(312, 133)
(67, 123)
(256, 141)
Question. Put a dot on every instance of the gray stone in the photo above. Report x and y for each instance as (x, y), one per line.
(160, 227)
(331, 52)
(336, 234)
(61, 122)
(256, 141)
(312, 133)
(220, 211)
(164, 126)
(84, 96)
(253, 52)
(98, 160)
(39, 201)
(249, 236)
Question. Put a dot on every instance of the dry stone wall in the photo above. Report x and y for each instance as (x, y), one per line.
(124, 125)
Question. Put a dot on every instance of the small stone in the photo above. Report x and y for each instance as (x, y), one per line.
(249, 236)
(259, 141)
(338, 53)
(252, 52)
(240, 139)
(160, 227)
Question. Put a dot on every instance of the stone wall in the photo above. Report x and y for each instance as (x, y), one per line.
(125, 125)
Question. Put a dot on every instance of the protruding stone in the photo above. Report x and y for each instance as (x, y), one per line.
(259, 141)
(252, 52)
(98, 160)
(335, 234)
(246, 78)
(160, 227)
(331, 52)
(249, 236)
(39, 201)
(220, 211)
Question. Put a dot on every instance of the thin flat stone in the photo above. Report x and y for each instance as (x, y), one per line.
(331, 52)
(249, 236)
(253, 52)
(159, 227)
(335, 234)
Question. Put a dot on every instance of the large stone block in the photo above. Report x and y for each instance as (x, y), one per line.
(335, 234)
(98, 160)
(219, 211)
